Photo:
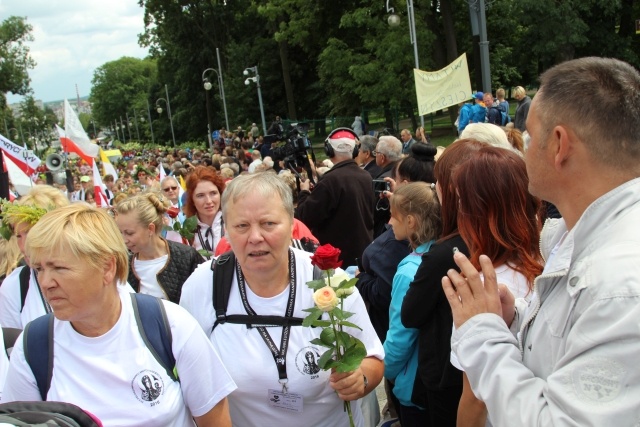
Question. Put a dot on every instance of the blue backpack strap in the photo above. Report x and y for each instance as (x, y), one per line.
(154, 329)
(37, 341)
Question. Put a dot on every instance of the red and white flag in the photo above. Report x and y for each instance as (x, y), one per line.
(163, 173)
(74, 139)
(98, 189)
(20, 180)
(21, 157)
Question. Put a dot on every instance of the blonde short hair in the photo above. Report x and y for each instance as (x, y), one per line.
(9, 255)
(263, 183)
(519, 91)
(88, 233)
(149, 208)
(500, 93)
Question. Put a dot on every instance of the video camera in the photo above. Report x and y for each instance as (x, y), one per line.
(292, 148)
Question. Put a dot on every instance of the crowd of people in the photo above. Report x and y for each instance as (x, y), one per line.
(498, 280)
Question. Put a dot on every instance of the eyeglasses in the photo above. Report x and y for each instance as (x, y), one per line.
(166, 190)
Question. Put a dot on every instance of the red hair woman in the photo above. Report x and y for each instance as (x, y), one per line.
(497, 217)
(204, 192)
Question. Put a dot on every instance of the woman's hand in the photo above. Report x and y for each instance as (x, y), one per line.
(348, 385)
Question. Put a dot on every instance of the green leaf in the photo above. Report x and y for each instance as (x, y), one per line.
(316, 284)
(205, 253)
(177, 226)
(313, 316)
(341, 314)
(190, 224)
(348, 283)
(321, 323)
(328, 336)
(352, 357)
(345, 339)
(349, 324)
(326, 357)
(318, 341)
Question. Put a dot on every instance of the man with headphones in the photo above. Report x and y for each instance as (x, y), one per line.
(340, 209)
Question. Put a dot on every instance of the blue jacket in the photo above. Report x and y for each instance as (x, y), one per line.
(465, 116)
(478, 113)
(401, 345)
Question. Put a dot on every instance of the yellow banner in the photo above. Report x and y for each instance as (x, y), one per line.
(436, 90)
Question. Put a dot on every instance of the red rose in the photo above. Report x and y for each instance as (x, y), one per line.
(173, 211)
(326, 257)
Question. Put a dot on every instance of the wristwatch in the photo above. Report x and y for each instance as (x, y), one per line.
(366, 382)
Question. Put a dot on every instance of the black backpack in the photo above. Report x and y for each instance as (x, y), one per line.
(223, 268)
(45, 414)
(153, 326)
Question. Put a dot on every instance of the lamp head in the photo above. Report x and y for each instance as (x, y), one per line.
(393, 20)
(207, 85)
(246, 82)
(246, 72)
(159, 109)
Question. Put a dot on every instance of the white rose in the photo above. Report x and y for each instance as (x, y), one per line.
(339, 277)
(341, 293)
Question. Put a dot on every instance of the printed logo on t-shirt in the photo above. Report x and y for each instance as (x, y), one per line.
(307, 361)
(148, 386)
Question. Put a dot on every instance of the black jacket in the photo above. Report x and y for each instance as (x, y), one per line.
(340, 210)
(426, 308)
(379, 264)
(181, 262)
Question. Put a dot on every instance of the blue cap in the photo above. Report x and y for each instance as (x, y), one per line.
(479, 95)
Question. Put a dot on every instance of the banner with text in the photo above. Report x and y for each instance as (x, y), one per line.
(23, 158)
(436, 90)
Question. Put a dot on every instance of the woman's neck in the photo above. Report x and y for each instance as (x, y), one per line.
(207, 219)
(268, 285)
(157, 248)
(98, 324)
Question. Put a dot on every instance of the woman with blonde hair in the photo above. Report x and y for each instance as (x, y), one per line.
(21, 300)
(100, 353)
(157, 266)
(415, 216)
(522, 110)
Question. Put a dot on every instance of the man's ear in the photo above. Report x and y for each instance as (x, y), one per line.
(564, 141)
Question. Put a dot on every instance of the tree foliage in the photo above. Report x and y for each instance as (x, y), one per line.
(15, 61)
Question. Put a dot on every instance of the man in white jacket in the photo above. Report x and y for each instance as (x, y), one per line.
(573, 359)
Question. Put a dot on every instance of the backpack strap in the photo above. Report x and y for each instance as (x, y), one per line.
(155, 331)
(25, 276)
(223, 270)
(37, 341)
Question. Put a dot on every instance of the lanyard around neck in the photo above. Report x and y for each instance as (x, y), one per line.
(279, 355)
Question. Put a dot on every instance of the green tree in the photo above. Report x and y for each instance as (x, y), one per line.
(15, 61)
(120, 86)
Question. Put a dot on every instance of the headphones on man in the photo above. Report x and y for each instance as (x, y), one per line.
(341, 133)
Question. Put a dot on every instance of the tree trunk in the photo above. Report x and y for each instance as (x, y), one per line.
(286, 75)
(627, 24)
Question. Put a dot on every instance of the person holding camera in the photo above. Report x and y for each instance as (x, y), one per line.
(388, 153)
(339, 211)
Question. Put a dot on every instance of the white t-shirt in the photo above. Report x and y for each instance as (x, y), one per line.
(251, 364)
(116, 378)
(4, 363)
(34, 304)
(147, 271)
(517, 284)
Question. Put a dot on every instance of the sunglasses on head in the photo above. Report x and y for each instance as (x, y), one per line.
(169, 189)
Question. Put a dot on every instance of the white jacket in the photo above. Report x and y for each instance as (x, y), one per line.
(575, 359)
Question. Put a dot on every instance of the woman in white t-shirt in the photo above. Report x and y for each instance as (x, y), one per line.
(204, 194)
(157, 266)
(16, 309)
(101, 362)
(497, 217)
(270, 279)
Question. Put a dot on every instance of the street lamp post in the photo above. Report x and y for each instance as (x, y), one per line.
(128, 122)
(95, 134)
(168, 104)
(221, 87)
(124, 139)
(207, 88)
(479, 29)
(394, 20)
(153, 139)
(256, 80)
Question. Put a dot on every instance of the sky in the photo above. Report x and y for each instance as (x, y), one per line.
(73, 38)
